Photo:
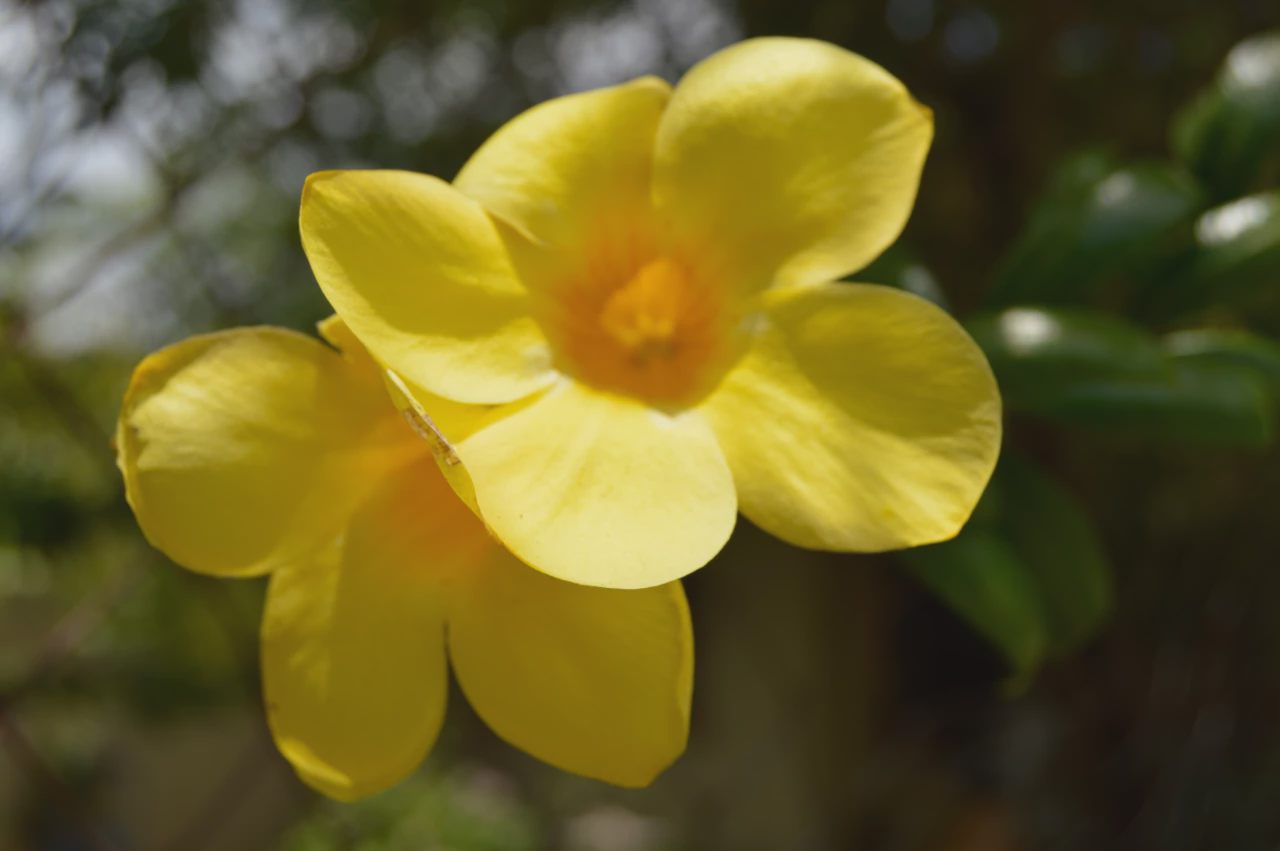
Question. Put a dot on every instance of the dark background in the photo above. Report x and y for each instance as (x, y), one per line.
(1092, 665)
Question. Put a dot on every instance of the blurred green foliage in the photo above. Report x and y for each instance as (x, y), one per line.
(446, 812)
(1228, 133)
(1143, 234)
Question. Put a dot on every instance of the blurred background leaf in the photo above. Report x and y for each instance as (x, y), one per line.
(1230, 131)
(1028, 572)
(984, 580)
(1038, 354)
(1212, 347)
(1097, 220)
(1090, 369)
(899, 268)
(1215, 405)
(1235, 253)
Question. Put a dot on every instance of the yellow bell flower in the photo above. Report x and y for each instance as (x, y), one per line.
(261, 450)
(642, 281)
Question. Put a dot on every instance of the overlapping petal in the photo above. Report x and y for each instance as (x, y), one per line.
(265, 441)
(602, 490)
(353, 643)
(418, 272)
(794, 159)
(242, 450)
(336, 333)
(592, 680)
(556, 171)
(859, 418)
(457, 418)
(862, 418)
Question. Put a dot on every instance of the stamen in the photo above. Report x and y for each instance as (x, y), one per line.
(644, 314)
(641, 321)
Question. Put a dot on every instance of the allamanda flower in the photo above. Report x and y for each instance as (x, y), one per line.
(262, 450)
(642, 282)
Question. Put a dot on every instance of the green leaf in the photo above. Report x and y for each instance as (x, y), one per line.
(1219, 405)
(1037, 353)
(1228, 132)
(1235, 254)
(1095, 221)
(897, 267)
(1090, 369)
(979, 576)
(1211, 347)
(1054, 537)
(1027, 572)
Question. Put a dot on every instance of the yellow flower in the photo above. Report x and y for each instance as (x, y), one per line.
(262, 450)
(642, 281)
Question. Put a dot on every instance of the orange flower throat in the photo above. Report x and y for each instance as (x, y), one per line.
(642, 324)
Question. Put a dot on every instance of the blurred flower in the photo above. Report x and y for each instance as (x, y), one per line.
(642, 281)
(262, 450)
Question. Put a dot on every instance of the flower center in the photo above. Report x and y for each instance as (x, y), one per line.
(649, 326)
(643, 316)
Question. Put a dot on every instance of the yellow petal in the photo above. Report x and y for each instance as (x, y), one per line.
(447, 416)
(353, 643)
(796, 159)
(457, 418)
(462, 423)
(554, 171)
(244, 449)
(596, 681)
(419, 274)
(602, 490)
(863, 418)
(336, 333)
